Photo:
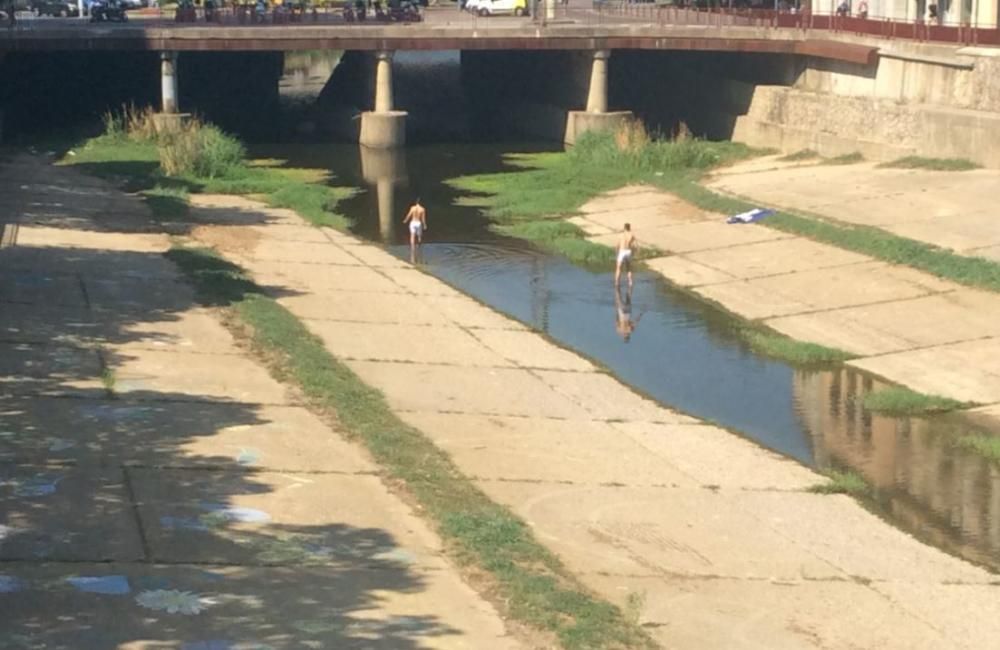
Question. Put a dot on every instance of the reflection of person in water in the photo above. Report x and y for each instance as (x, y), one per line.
(624, 324)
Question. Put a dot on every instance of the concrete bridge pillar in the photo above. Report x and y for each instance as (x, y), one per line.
(597, 96)
(168, 82)
(383, 128)
(596, 116)
(168, 119)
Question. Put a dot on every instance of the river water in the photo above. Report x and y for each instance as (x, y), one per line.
(683, 352)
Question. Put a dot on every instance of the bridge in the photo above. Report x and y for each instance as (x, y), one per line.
(858, 44)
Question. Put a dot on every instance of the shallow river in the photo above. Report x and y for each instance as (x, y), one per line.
(683, 353)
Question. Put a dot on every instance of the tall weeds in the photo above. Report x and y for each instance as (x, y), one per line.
(196, 148)
(631, 148)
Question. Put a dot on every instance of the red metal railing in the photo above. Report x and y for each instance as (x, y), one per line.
(965, 34)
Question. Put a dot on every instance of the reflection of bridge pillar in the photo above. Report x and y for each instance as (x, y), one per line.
(385, 169)
(384, 127)
(596, 117)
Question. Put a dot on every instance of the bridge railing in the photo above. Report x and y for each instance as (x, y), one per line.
(885, 28)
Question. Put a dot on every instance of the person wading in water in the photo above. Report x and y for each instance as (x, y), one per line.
(417, 218)
(627, 246)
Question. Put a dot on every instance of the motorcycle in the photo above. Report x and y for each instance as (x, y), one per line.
(357, 12)
(404, 11)
(107, 11)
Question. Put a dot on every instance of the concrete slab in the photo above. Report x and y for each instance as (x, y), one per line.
(419, 282)
(125, 606)
(238, 210)
(961, 233)
(720, 614)
(988, 252)
(775, 257)
(959, 315)
(489, 391)
(292, 233)
(117, 293)
(962, 371)
(602, 397)
(66, 514)
(963, 614)
(526, 449)
(440, 344)
(824, 289)
(589, 227)
(627, 198)
(33, 235)
(364, 307)
(686, 273)
(162, 375)
(193, 331)
(41, 323)
(838, 329)
(695, 449)
(300, 252)
(376, 257)
(707, 235)
(530, 350)
(467, 312)
(202, 435)
(803, 520)
(41, 287)
(270, 518)
(656, 532)
(320, 279)
(48, 368)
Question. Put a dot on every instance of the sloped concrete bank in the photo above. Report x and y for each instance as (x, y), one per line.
(714, 541)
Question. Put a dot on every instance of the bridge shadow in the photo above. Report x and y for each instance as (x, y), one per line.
(145, 501)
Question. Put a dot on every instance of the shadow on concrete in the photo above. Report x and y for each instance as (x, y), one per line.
(137, 515)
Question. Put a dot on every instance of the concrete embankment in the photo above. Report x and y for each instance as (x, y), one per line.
(715, 542)
(910, 327)
(157, 486)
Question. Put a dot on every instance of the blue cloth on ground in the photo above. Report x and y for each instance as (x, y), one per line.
(749, 217)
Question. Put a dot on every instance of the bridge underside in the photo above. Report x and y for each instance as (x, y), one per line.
(248, 39)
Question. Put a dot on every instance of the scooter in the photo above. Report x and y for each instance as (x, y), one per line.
(107, 11)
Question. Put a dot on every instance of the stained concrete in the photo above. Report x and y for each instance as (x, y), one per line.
(187, 450)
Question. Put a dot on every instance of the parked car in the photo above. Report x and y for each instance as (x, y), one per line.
(498, 7)
(55, 8)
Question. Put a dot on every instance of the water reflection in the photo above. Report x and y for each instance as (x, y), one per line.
(385, 169)
(943, 494)
(685, 355)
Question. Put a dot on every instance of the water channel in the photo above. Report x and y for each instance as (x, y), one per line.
(684, 353)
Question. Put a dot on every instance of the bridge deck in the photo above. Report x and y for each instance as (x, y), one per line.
(459, 35)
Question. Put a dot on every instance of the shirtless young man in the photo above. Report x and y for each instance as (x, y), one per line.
(627, 246)
(417, 218)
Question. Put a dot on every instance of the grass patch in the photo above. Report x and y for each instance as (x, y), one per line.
(533, 584)
(845, 159)
(778, 346)
(898, 400)
(981, 444)
(562, 238)
(843, 482)
(801, 154)
(167, 203)
(166, 169)
(932, 164)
